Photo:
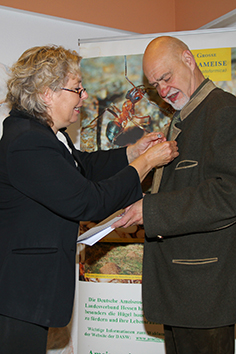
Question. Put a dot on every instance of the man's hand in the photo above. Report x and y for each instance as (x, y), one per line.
(143, 144)
(133, 215)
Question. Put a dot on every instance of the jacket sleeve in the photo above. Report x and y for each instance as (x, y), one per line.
(39, 170)
(103, 164)
(206, 204)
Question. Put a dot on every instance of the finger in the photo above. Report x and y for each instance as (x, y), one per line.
(155, 135)
(123, 222)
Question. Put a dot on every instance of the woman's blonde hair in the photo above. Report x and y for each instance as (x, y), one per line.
(37, 69)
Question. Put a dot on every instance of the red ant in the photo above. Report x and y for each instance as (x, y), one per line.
(127, 114)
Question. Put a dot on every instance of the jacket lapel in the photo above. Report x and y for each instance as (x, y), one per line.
(184, 113)
(74, 151)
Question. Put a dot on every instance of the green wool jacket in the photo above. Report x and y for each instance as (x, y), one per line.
(189, 270)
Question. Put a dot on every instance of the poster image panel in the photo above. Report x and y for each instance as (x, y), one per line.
(122, 106)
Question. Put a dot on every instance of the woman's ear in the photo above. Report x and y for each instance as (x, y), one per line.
(47, 96)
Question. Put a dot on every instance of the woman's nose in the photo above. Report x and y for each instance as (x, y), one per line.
(84, 95)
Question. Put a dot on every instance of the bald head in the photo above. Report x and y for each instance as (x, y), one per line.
(171, 68)
(167, 41)
(162, 47)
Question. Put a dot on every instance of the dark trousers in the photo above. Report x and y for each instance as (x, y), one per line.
(19, 337)
(180, 340)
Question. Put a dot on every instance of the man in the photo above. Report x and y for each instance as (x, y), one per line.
(189, 270)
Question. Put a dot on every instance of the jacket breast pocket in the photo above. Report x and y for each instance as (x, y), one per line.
(186, 164)
(35, 250)
(195, 261)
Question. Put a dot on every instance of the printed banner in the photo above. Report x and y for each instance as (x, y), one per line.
(214, 63)
(111, 321)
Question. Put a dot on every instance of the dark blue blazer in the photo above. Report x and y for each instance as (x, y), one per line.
(44, 195)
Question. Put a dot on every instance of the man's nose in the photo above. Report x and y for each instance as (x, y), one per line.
(163, 89)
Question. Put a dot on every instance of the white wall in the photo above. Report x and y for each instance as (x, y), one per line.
(227, 20)
(21, 30)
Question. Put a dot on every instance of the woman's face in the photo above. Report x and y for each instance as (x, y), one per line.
(64, 106)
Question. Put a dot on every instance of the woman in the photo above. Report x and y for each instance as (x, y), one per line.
(45, 192)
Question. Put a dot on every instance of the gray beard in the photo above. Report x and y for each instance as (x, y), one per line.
(178, 105)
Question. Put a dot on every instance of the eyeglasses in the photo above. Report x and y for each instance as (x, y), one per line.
(79, 91)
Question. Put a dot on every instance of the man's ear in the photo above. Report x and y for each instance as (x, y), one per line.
(188, 59)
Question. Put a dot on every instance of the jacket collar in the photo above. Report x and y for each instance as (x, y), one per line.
(198, 96)
(22, 114)
(195, 100)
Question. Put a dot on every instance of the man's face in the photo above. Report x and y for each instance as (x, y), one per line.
(173, 79)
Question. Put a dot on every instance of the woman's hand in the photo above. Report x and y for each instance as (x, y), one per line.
(161, 154)
(156, 156)
(143, 144)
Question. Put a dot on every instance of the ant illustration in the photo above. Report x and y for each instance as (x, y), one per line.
(124, 115)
